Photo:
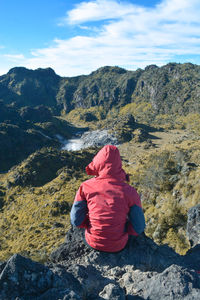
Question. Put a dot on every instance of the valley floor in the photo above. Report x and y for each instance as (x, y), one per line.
(132, 151)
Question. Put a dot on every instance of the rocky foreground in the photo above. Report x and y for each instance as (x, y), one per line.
(143, 270)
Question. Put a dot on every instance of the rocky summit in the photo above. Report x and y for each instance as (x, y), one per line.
(143, 270)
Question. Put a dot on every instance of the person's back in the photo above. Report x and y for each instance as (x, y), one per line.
(104, 204)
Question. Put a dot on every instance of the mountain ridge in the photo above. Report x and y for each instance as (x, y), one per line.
(173, 88)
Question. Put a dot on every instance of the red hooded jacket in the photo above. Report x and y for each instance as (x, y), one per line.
(105, 205)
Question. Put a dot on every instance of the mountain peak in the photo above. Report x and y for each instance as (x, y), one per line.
(25, 71)
(46, 71)
(110, 69)
(19, 70)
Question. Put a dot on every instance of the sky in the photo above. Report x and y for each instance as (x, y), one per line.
(78, 37)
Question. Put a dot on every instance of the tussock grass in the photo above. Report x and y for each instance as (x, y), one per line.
(35, 219)
(167, 177)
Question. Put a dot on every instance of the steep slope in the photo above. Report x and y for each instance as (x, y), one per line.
(35, 200)
(28, 87)
(108, 86)
(27, 129)
(173, 88)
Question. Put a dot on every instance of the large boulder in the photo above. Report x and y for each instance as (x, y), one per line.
(193, 225)
(174, 283)
(141, 252)
(21, 278)
(73, 247)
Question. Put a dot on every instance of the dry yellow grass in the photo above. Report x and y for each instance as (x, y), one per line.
(31, 225)
(166, 209)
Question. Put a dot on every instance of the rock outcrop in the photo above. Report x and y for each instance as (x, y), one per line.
(95, 138)
(166, 88)
(143, 270)
(193, 225)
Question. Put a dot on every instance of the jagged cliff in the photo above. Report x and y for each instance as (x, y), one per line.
(171, 88)
(143, 270)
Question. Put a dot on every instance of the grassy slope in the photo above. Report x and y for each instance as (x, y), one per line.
(166, 174)
(33, 221)
(30, 225)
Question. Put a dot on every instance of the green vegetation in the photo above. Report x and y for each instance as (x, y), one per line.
(36, 198)
(171, 89)
(142, 111)
(168, 180)
(154, 113)
(27, 129)
(86, 117)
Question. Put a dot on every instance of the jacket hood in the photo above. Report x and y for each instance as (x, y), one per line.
(107, 163)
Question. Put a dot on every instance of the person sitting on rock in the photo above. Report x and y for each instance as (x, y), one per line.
(106, 206)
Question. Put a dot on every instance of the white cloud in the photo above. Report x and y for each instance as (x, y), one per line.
(98, 10)
(129, 36)
(15, 57)
(9, 61)
(180, 10)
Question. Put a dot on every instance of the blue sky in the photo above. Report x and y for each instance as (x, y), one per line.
(77, 37)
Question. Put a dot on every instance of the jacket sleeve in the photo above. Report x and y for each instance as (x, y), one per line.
(136, 224)
(79, 211)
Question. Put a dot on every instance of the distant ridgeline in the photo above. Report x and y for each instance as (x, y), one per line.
(32, 101)
(173, 88)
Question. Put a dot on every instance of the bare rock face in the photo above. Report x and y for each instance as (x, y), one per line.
(112, 291)
(174, 283)
(26, 279)
(142, 270)
(193, 225)
(98, 138)
(140, 252)
(95, 138)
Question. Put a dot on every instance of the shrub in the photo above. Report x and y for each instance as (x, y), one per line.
(143, 112)
(158, 173)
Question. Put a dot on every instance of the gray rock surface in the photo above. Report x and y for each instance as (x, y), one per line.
(98, 138)
(24, 278)
(143, 270)
(193, 225)
(112, 292)
(174, 283)
(141, 252)
(88, 139)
